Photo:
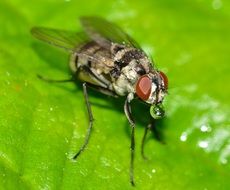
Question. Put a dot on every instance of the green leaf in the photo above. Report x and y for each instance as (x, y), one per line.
(42, 125)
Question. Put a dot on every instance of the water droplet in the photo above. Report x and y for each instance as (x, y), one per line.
(153, 171)
(157, 111)
(203, 144)
(205, 128)
(183, 137)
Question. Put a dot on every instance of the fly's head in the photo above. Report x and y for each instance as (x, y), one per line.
(152, 88)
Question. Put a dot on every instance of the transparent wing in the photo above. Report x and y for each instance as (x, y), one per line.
(104, 32)
(60, 38)
(66, 40)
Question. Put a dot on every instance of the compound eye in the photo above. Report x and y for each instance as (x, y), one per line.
(165, 79)
(143, 87)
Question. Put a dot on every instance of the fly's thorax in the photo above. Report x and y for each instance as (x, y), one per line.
(125, 78)
(129, 64)
(124, 55)
(152, 87)
(115, 48)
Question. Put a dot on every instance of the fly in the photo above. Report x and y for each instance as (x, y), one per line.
(107, 59)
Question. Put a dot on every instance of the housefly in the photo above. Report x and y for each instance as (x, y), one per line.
(107, 59)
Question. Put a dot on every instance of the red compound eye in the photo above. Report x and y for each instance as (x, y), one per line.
(143, 87)
(165, 79)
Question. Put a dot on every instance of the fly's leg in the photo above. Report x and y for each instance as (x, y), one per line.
(103, 90)
(55, 81)
(91, 119)
(127, 109)
(149, 126)
(101, 80)
(157, 134)
(89, 111)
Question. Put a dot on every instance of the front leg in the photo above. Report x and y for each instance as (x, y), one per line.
(151, 127)
(127, 109)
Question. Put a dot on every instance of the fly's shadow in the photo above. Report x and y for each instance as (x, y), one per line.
(51, 56)
(56, 60)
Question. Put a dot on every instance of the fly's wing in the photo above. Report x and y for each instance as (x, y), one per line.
(104, 32)
(63, 39)
(66, 40)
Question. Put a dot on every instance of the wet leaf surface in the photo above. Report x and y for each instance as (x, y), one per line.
(42, 125)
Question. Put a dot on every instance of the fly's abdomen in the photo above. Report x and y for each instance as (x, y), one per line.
(92, 63)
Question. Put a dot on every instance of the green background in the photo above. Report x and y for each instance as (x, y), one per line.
(42, 125)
